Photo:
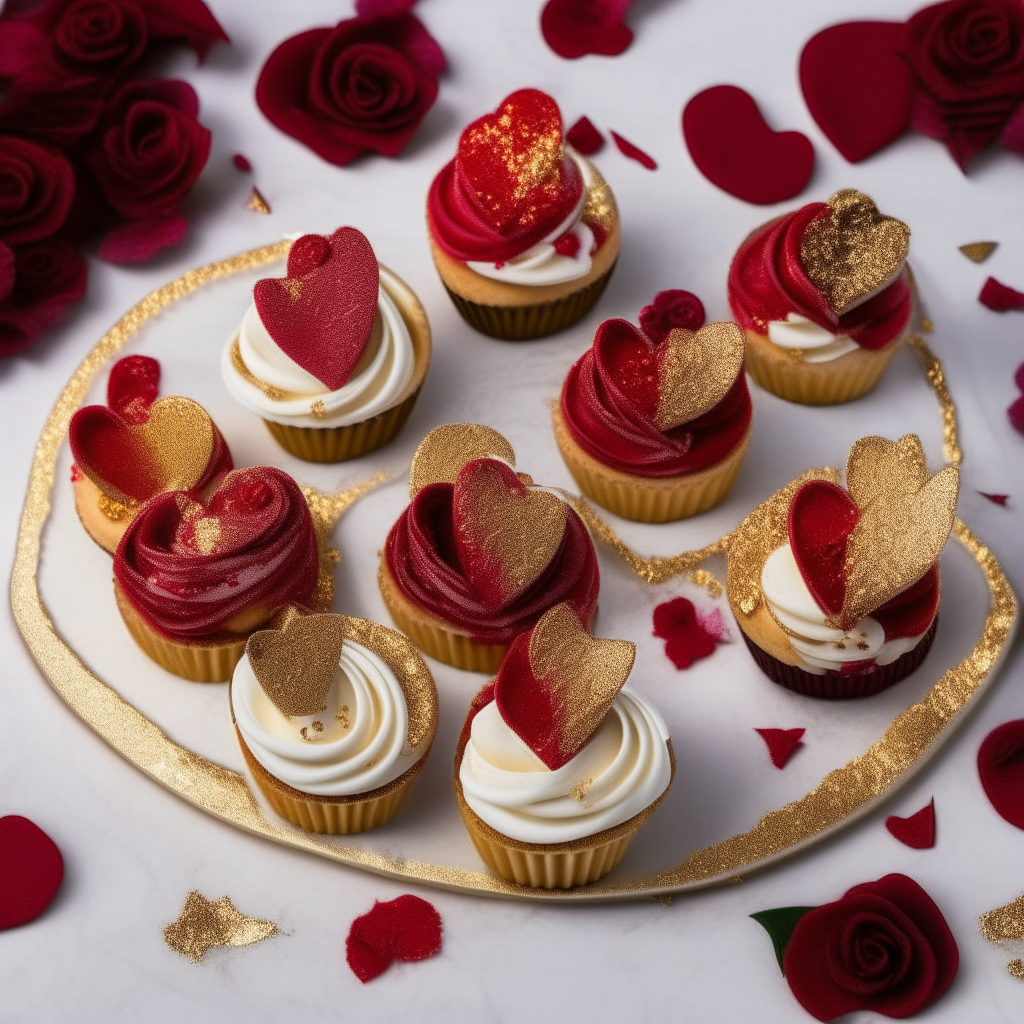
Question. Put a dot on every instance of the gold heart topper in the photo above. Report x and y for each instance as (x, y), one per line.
(446, 449)
(854, 251)
(696, 371)
(295, 665)
(906, 515)
(584, 673)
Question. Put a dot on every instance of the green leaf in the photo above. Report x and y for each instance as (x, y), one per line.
(779, 924)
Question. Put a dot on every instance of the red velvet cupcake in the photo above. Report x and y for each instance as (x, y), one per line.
(136, 447)
(654, 426)
(480, 553)
(836, 590)
(194, 579)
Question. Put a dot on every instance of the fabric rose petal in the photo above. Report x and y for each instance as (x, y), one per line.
(1001, 768)
(364, 85)
(688, 636)
(916, 831)
(1000, 297)
(407, 928)
(669, 309)
(574, 28)
(37, 186)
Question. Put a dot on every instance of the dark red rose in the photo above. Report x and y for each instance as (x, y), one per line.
(99, 36)
(6, 271)
(670, 309)
(884, 947)
(968, 56)
(52, 107)
(364, 85)
(37, 187)
(150, 149)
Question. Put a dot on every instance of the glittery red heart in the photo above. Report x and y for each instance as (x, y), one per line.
(407, 928)
(31, 869)
(822, 516)
(321, 315)
(512, 160)
(735, 149)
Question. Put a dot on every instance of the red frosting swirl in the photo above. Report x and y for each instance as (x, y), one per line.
(767, 282)
(422, 559)
(608, 402)
(188, 569)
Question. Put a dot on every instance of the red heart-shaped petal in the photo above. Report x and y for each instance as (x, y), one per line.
(407, 928)
(781, 743)
(735, 149)
(322, 314)
(1001, 767)
(917, 830)
(31, 869)
(857, 86)
(822, 516)
(573, 28)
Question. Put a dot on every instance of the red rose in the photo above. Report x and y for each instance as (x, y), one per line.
(364, 85)
(968, 56)
(884, 947)
(98, 36)
(37, 187)
(54, 108)
(150, 149)
(670, 309)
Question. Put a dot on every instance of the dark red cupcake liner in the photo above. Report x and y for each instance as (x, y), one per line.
(838, 685)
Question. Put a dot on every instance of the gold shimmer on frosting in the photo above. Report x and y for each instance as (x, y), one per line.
(843, 796)
(295, 666)
(204, 924)
(937, 381)
(583, 673)
(1005, 923)
(853, 250)
(977, 252)
(599, 205)
(696, 371)
(446, 449)
(238, 363)
(905, 519)
(115, 511)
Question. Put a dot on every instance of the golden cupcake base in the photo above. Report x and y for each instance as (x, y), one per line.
(840, 380)
(648, 499)
(551, 865)
(432, 635)
(104, 520)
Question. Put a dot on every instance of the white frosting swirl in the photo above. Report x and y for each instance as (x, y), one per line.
(819, 645)
(623, 768)
(542, 264)
(362, 743)
(374, 388)
(817, 344)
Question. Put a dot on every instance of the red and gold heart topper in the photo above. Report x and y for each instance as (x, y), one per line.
(513, 161)
(295, 666)
(557, 683)
(446, 449)
(853, 251)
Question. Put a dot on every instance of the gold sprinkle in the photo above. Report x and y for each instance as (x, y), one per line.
(1016, 968)
(665, 900)
(256, 202)
(581, 789)
(1004, 923)
(978, 252)
(293, 286)
(927, 326)
(115, 511)
(342, 717)
(302, 732)
(204, 924)
(446, 449)
(839, 645)
(318, 727)
(861, 646)
(318, 410)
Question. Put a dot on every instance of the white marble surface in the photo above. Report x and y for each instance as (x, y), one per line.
(132, 851)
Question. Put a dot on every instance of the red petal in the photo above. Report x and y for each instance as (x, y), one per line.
(998, 499)
(917, 831)
(1016, 414)
(140, 240)
(688, 637)
(189, 20)
(407, 928)
(1001, 767)
(584, 137)
(782, 744)
(626, 148)
(1000, 297)
(241, 162)
(574, 28)
(22, 46)
(32, 871)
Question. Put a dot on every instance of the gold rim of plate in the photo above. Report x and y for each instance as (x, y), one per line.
(843, 796)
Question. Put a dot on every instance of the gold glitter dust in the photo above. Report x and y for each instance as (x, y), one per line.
(257, 203)
(581, 789)
(342, 717)
(1016, 968)
(1004, 923)
(696, 371)
(274, 394)
(937, 380)
(440, 456)
(581, 673)
(293, 286)
(295, 667)
(115, 511)
(978, 252)
(927, 326)
(318, 410)
(703, 578)
(665, 901)
(599, 206)
(853, 250)
(206, 532)
(204, 924)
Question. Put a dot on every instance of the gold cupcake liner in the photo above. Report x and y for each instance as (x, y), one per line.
(432, 636)
(333, 815)
(841, 380)
(337, 444)
(204, 662)
(551, 865)
(649, 499)
(524, 323)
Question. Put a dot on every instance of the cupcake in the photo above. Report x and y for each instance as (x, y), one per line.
(825, 297)
(136, 447)
(335, 717)
(333, 355)
(194, 579)
(480, 553)
(558, 765)
(654, 426)
(524, 231)
(836, 590)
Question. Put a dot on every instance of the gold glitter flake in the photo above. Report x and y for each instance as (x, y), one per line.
(581, 789)
(978, 252)
(446, 449)
(257, 203)
(696, 371)
(206, 534)
(1016, 968)
(583, 673)
(1005, 923)
(318, 410)
(204, 924)
(342, 717)
(703, 578)
(854, 250)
